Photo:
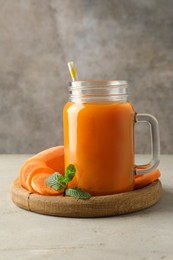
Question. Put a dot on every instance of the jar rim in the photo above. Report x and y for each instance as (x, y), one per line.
(95, 83)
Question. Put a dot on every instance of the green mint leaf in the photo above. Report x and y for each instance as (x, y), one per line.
(77, 193)
(70, 172)
(56, 181)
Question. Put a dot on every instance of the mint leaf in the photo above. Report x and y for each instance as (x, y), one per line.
(56, 181)
(77, 193)
(59, 182)
(70, 172)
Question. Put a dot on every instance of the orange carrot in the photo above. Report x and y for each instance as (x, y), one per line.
(39, 184)
(138, 175)
(28, 167)
(35, 172)
(145, 179)
(53, 157)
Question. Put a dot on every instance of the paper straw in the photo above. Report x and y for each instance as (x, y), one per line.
(72, 70)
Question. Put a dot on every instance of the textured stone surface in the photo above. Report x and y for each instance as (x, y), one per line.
(130, 40)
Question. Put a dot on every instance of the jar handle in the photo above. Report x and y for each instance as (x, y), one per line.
(155, 142)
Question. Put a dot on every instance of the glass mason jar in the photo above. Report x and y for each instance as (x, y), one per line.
(99, 137)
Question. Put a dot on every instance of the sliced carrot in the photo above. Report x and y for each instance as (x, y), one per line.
(39, 184)
(28, 167)
(35, 172)
(146, 179)
(53, 157)
(138, 175)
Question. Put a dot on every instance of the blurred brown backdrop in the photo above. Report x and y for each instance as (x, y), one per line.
(120, 40)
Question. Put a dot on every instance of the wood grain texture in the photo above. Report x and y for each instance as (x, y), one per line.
(99, 206)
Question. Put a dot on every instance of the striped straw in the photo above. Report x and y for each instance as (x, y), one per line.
(72, 70)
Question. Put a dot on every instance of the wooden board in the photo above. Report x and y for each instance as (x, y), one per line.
(99, 206)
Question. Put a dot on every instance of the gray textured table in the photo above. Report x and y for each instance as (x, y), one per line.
(145, 235)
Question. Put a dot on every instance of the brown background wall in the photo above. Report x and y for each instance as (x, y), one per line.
(128, 39)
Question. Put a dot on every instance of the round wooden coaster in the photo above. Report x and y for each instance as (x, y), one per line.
(99, 206)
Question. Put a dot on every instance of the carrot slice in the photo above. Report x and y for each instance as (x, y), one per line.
(39, 184)
(53, 157)
(145, 179)
(138, 175)
(35, 172)
(28, 167)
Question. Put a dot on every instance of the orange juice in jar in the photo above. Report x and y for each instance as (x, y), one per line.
(99, 137)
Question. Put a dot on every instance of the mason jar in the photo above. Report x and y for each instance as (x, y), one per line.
(99, 137)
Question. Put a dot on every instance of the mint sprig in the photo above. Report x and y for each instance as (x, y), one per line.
(59, 182)
(56, 181)
(70, 172)
(77, 193)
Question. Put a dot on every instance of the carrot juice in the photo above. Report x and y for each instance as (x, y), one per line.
(98, 140)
